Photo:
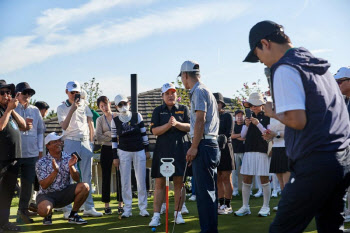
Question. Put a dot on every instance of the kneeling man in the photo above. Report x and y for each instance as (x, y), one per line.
(54, 173)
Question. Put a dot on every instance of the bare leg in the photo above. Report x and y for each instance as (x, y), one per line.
(227, 183)
(221, 187)
(286, 176)
(81, 193)
(45, 208)
(280, 180)
(159, 194)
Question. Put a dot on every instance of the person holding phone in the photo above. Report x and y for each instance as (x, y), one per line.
(10, 151)
(170, 123)
(104, 137)
(130, 146)
(55, 172)
(75, 119)
(255, 160)
(32, 149)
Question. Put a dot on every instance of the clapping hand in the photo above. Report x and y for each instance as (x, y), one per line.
(73, 160)
(54, 165)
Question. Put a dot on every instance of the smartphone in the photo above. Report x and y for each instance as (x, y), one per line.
(76, 154)
(248, 113)
(77, 96)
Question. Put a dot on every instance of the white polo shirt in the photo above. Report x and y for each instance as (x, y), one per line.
(78, 126)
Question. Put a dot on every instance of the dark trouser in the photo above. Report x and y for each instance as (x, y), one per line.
(316, 188)
(106, 162)
(205, 175)
(8, 178)
(27, 170)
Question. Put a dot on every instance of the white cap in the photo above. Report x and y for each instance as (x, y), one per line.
(52, 137)
(255, 99)
(343, 72)
(120, 98)
(189, 66)
(73, 86)
(167, 87)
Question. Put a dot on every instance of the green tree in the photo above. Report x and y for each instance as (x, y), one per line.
(93, 91)
(242, 95)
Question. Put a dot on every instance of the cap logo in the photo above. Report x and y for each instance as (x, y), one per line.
(74, 85)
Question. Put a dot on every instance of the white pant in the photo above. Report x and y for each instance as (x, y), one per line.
(138, 159)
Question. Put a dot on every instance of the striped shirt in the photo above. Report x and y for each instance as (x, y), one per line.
(129, 136)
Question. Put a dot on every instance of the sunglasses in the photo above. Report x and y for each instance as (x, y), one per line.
(74, 92)
(343, 80)
(27, 93)
(5, 92)
(122, 104)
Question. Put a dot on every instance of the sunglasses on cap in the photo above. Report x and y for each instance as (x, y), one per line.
(5, 92)
(121, 104)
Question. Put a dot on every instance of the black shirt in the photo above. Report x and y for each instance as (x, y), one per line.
(10, 140)
(226, 125)
(169, 142)
(254, 141)
(238, 146)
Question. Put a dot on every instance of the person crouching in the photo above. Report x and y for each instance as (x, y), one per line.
(54, 173)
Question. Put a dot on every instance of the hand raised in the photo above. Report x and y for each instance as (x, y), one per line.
(55, 166)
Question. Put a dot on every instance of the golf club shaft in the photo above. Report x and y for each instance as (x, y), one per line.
(178, 205)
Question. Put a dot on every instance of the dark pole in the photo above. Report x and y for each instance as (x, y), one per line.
(134, 101)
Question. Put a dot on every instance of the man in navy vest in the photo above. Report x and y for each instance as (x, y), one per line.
(308, 101)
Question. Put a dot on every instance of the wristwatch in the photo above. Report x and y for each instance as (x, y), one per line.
(278, 135)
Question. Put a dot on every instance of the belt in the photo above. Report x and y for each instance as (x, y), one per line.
(85, 138)
(206, 136)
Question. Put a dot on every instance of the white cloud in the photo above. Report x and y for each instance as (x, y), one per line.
(56, 19)
(26, 50)
(317, 51)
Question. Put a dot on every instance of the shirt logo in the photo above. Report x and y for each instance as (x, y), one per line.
(179, 112)
(163, 113)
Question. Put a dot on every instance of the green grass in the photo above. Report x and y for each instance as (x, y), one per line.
(138, 224)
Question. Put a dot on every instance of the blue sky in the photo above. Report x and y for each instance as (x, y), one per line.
(48, 43)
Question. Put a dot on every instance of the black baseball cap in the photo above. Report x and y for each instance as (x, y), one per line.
(239, 111)
(258, 32)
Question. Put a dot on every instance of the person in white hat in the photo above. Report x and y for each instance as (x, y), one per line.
(170, 123)
(343, 77)
(255, 159)
(130, 146)
(75, 118)
(54, 172)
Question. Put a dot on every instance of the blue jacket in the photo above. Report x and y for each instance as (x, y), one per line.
(327, 127)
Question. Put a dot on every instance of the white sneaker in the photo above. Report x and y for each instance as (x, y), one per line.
(179, 219)
(222, 209)
(66, 214)
(192, 198)
(264, 211)
(163, 209)
(144, 213)
(235, 193)
(243, 211)
(184, 209)
(274, 193)
(275, 208)
(92, 213)
(229, 210)
(126, 214)
(155, 221)
(259, 193)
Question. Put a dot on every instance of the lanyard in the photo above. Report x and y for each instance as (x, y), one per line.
(108, 123)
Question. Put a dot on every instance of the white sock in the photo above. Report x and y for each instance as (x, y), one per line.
(266, 193)
(156, 214)
(246, 194)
